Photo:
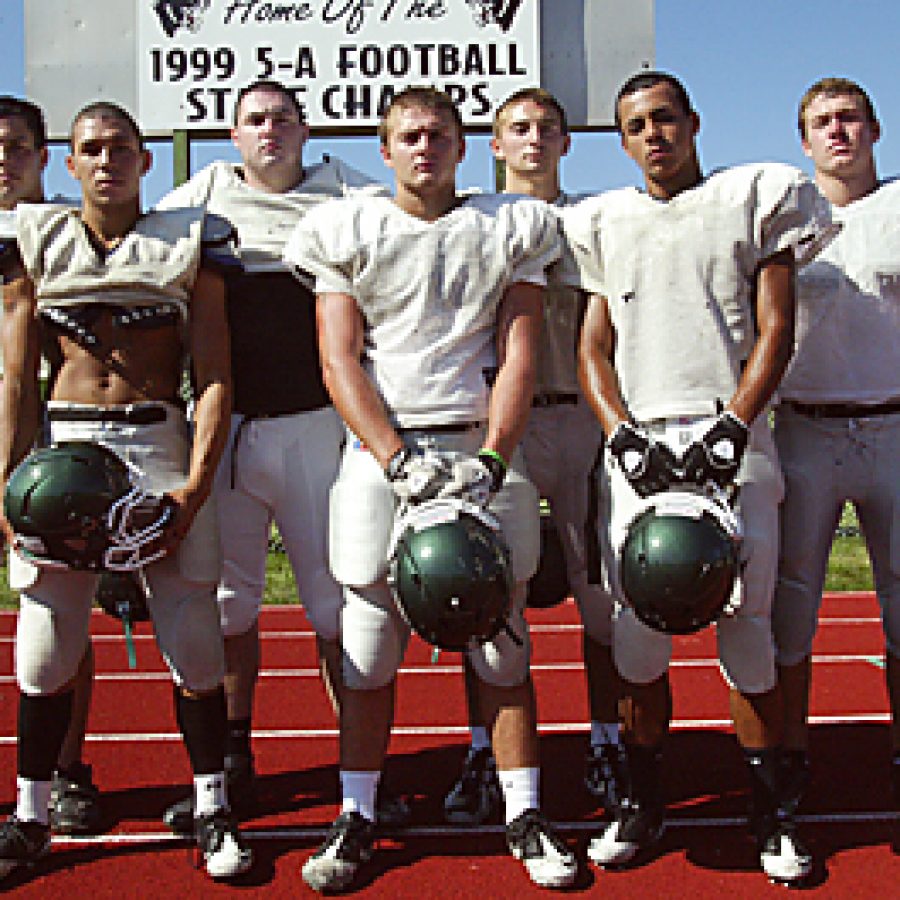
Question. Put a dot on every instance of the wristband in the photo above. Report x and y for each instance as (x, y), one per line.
(396, 463)
(493, 454)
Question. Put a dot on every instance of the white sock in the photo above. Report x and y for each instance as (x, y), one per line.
(358, 790)
(33, 801)
(210, 793)
(521, 789)
(479, 738)
(604, 733)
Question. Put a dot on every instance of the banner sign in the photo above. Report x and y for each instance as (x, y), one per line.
(345, 59)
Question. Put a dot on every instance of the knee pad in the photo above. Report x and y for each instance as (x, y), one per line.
(238, 607)
(188, 628)
(52, 631)
(504, 661)
(641, 655)
(596, 608)
(373, 637)
(747, 653)
(322, 600)
(795, 617)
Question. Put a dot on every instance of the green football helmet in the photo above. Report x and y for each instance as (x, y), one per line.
(679, 561)
(549, 586)
(452, 574)
(75, 505)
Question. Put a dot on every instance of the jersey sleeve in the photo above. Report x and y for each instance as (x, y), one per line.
(322, 250)
(794, 215)
(535, 238)
(581, 261)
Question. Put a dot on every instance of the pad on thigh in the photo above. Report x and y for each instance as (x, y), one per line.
(504, 662)
(188, 630)
(361, 518)
(518, 511)
(52, 632)
(747, 653)
(641, 655)
(373, 637)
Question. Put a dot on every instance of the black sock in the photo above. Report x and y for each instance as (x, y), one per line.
(764, 766)
(644, 765)
(238, 741)
(43, 723)
(204, 724)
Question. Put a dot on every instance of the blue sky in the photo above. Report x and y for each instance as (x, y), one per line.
(745, 65)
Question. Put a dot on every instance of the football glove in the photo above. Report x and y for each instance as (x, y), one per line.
(476, 480)
(717, 455)
(650, 467)
(416, 476)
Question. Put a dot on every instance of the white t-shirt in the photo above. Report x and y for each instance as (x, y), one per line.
(428, 292)
(679, 275)
(848, 309)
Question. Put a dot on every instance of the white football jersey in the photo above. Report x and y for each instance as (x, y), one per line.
(848, 309)
(428, 292)
(678, 277)
(263, 220)
(557, 367)
(155, 262)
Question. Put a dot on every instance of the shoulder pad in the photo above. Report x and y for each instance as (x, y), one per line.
(217, 231)
(219, 242)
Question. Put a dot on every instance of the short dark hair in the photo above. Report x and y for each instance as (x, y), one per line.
(267, 85)
(29, 113)
(424, 96)
(538, 95)
(105, 109)
(833, 87)
(643, 81)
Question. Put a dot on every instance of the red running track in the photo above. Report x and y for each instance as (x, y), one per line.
(141, 767)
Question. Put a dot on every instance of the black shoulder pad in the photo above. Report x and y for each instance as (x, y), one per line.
(219, 244)
(217, 231)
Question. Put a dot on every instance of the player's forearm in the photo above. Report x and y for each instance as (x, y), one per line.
(510, 405)
(775, 344)
(360, 406)
(212, 416)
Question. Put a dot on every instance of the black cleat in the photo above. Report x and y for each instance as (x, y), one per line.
(603, 768)
(74, 801)
(476, 796)
(22, 844)
(348, 847)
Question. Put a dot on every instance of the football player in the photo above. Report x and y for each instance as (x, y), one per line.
(429, 312)
(285, 437)
(837, 427)
(116, 299)
(688, 329)
(75, 805)
(561, 443)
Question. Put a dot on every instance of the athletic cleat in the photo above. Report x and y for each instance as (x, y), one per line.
(224, 853)
(783, 857)
(548, 861)
(345, 850)
(22, 844)
(476, 796)
(74, 801)
(635, 829)
(603, 772)
(241, 785)
(391, 810)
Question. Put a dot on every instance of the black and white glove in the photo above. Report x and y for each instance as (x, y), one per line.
(717, 455)
(476, 479)
(650, 467)
(417, 476)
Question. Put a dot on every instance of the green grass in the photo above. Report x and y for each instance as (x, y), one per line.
(848, 569)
